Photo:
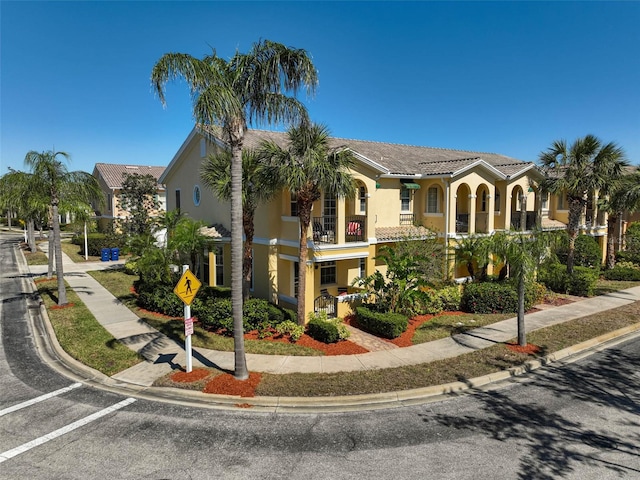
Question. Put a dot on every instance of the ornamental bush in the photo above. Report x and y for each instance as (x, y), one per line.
(554, 276)
(587, 252)
(290, 328)
(489, 297)
(583, 281)
(387, 325)
(326, 330)
(450, 297)
(623, 273)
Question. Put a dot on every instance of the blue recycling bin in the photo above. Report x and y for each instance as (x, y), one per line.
(115, 254)
(105, 255)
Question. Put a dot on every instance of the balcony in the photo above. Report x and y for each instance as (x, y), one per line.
(515, 221)
(355, 228)
(324, 229)
(407, 219)
(462, 223)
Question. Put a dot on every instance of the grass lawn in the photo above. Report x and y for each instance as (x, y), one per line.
(443, 325)
(82, 336)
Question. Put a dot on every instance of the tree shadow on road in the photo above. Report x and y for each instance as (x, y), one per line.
(554, 443)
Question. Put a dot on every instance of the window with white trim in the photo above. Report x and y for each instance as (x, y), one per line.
(362, 198)
(294, 204)
(363, 267)
(219, 266)
(433, 198)
(405, 200)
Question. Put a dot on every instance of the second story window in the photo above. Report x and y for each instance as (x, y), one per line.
(483, 206)
(177, 199)
(109, 202)
(294, 205)
(362, 197)
(405, 200)
(497, 200)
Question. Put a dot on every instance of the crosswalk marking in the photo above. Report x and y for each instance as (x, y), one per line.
(39, 399)
(4, 456)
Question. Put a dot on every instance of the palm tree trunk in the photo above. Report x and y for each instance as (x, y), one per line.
(522, 335)
(247, 257)
(241, 372)
(62, 292)
(52, 251)
(31, 236)
(304, 212)
(575, 210)
(611, 228)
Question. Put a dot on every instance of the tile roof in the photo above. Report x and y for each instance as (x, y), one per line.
(112, 173)
(398, 159)
(384, 234)
(215, 231)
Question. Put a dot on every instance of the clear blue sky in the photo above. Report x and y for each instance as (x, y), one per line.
(505, 77)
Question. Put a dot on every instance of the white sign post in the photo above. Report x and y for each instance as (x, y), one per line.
(186, 289)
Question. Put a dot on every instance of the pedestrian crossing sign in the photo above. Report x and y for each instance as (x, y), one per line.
(187, 287)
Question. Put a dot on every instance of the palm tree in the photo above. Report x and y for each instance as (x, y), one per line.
(233, 93)
(585, 167)
(622, 196)
(257, 188)
(472, 251)
(188, 240)
(51, 177)
(522, 253)
(307, 167)
(18, 195)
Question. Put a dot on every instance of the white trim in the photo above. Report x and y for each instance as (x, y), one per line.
(289, 258)
(369, 162)
(325, 247)
(344, 256)
(289, 218)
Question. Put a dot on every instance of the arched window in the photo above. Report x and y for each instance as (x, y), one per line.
(433, 200)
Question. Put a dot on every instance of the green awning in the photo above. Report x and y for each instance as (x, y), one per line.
(411, 186)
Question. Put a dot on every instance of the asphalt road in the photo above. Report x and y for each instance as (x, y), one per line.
(577, 421)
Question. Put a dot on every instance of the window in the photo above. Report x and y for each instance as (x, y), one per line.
(545, 201)
(196, 195)
(363, 267)
(497, 200)
(405, 200)
(296, 279)
(203, 148)
(327, 273)
(483, 197)
(362, 197)
(561, 201)
(219, 266)
(329, 213)
(109, 201)
(205, 267)
(294, 204)
(177, 199)
(432, 200)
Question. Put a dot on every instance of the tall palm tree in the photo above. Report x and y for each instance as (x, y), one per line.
(622, 196)
(51, 177)
(248, 88)
(257, 188)
(585, 167)
(522, 253)
(19, 195)
(308, 167)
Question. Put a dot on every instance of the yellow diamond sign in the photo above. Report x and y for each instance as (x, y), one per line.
(187, 287)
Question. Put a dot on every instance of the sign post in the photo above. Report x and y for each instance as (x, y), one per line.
(186, 289)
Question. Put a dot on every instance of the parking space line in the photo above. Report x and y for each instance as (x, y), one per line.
(61, 431)
(39, 399)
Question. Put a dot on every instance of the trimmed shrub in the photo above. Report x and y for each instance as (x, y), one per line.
(215, 314)
(489, 297)
(427, 301)
(450, 297)
(97, 241)
(583, 281)
(159, 298)
(387, 325)
(326, 330)
(259, 314)
(623, 273)
(554, 276)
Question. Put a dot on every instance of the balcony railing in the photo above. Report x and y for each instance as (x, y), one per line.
(324, 229)
(515, 221)
(462, 223)
(354, 230)
(407, 219)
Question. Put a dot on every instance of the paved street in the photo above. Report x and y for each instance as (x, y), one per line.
(574, 421)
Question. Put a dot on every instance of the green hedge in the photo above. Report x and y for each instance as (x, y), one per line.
(97, 241)
(554, 276)
(489, 297)
(387, 325)
(627, 274)
(323, 331)
(583, 281)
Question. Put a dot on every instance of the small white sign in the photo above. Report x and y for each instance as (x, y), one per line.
(188, 326)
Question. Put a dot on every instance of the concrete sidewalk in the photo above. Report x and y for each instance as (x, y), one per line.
(163, 354)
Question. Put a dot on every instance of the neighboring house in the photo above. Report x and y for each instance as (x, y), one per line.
(110, 177)
(402, 190)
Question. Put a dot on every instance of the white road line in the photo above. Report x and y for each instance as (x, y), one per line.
(61, 431)
(28, 403)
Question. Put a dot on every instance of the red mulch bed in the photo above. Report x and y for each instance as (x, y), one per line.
(529, 348)
(344, 347)
(60, 307)
(193, 376)
(226, 384)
